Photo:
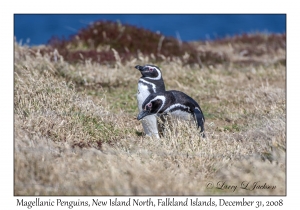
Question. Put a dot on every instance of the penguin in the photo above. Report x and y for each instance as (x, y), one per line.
(175, 103)
(150, 82)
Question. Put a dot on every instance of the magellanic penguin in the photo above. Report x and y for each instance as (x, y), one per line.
(150, 82)
(175, 103)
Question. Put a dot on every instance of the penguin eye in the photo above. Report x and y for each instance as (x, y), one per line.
(150, 69)
(149, 105)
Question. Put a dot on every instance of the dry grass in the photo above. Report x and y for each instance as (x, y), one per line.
(76, 131)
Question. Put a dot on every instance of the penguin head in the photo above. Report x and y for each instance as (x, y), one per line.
(149, 71)
(152, 105)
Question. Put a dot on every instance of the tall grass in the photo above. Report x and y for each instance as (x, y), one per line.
(76, 131)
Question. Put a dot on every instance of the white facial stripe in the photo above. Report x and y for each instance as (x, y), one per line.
(159, 73)
(162, 98)
(177, 105)
(153, 86)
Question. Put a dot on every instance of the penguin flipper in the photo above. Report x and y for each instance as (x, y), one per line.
(200, 120)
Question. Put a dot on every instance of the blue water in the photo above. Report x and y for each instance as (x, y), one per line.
(39, 28)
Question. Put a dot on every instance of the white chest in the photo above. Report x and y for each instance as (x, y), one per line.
(142, 94)
(182, 115)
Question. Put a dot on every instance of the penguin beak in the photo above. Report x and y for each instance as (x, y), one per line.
(138, 67)
(143, 114)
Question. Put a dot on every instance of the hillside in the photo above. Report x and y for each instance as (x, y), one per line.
(76, 131)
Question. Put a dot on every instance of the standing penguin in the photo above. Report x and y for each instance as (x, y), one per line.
(150, 82)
